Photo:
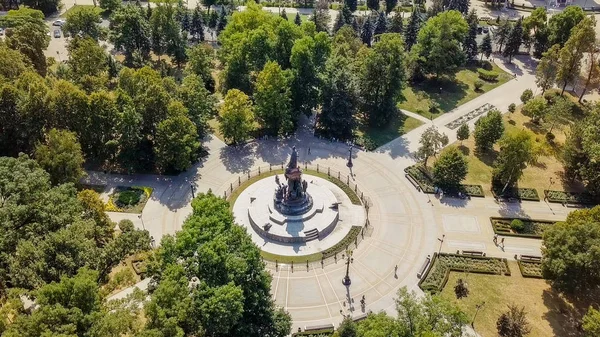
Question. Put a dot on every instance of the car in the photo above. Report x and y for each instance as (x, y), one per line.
(485, 30)
(479, 29)
(1, 31)
(57, 33)
(58, 22)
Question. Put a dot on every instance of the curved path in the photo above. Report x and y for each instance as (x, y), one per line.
(406, 223)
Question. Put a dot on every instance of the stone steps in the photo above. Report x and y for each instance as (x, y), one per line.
(312, 234)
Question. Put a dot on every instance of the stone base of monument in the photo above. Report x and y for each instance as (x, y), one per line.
(316, 222)
(327, 222)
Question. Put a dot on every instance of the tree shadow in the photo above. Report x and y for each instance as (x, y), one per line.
(445, 91)
(464, 149)
(488, 157)
(565, 311)
(238, 158)
(535, 127)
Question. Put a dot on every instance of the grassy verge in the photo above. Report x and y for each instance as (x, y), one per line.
(76, 8)
(144, 191)
(549, 313)
(455, 91)
(372, 138)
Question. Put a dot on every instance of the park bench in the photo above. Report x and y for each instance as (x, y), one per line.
(318, 327)
(361, 316)
(473, 253)
(424, 267)
(531, 258)
(412, 181)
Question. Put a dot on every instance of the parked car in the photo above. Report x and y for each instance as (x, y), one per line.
(1, 31)
(485, 30)
(57, 33)
(479, 29)
(58, 22)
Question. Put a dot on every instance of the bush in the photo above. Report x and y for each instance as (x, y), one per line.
(129, 197)
(551, 96)
(486, 75)
(434, 107)
(478, 85)
(512, 107)
(526, 95)
(570, 197)
(517, 225)
(550, 137)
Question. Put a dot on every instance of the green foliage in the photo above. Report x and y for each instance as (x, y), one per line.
(347, 328)
(273, 100)
(46, 6)
(561, 25)
(86, 59)
(450, 169)
(517, 225)
(570, 251)
(512, 107)
(526, 96)
(535, 108)
(460, 289)
(431, 142)
(514, 41)
(485, 48)
(591, 322)
(129, 198)
(236, 116)
(470, 45)
(517, 150)
(523, 227)
(463, 132)
(27, 32)
(110, 5)
(61, 157)
(513, 323)
(547, 69)
(412, 30)
(478, 85)
(130, 32)
(339, 92)
(176, 143)
(200, 63)
(487, 75)
(488, 129)
(581, 40)
(85, 22)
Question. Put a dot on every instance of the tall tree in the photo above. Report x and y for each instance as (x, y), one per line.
(321, 16)
(540, 42)
(514, 41)
(176, 143)
(450, 169)
(298, 19)
(84, 22)
(198, 101)
(396, 23)
(432, 140)
(27, 32)
(547, 69)
(273, 100)
(46, 6)
(305, 84)
(366, 34)
(352, 4)
(513, 323)
(463, 132)
(561, 24)
(200, 62)
(197, 25)
(86, 58)
(223, 21)
(237, 116)
(470, 44)
(381, 79)
(390, 5)
(338, 110)
(412, 30)
(592, 70)
(581, 41)
(485, 48)
(129, 31)
(61, 157)
(373, 5)
(283, 14)
(502, 34)
(488, 129)
(380, 24)
(517, 150)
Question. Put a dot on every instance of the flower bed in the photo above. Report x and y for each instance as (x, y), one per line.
(128, 199)
(570, 197)
(471, 115)
(532, 228)
(530, 268)
(436, 277)
(425, 182)
(516, 193)
(349, 239)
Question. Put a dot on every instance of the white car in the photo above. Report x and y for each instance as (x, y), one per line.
(58, 22)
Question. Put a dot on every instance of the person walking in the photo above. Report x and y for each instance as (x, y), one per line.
(502, 242)
(496, 239)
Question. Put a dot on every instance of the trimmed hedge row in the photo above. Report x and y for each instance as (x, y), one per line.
(314, 333)
(533, 228)
(516, 193)
(487, 75)
(425, 182)
(436, 277)
(530, 268)
(346, 241)
(569, 197)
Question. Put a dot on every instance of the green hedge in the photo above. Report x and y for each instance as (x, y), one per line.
(487, 75)
(570, 197)
(314, 333)
(425, 181)
(349, 239)
(531, 269)
(533, 228)
(442, 264)
(517, 193)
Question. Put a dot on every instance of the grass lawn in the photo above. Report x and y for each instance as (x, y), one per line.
(534, 176)
(76, 8)
(455, 92)
(372, 137)
(549, 313)
(214, 125)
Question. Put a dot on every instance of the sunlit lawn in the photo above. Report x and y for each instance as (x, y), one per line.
(394, 129)
(549, 313)
(454, 92)
(76, 8)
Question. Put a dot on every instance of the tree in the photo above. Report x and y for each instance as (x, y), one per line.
(450, 169)
(176, 143)
(592, 70)
(27, 32)
(197, 25)
(460, 289)
(381, 79)
(526, 96)
(488, 130)
(517, 150)
(463, 132)
(541, 42)
(561, 25)
(110, 5)
(570, 251)
(352, 5)
(86, 59)
(514, 41)
(582, 40)
(431, 142)
(321, 16)
(94, 209)
(305, 84)
(485, 48)
(366, 34)
(513, 323)
(502, 34)
(201, 62)
(470, 44)
(209, 4)
(237, 116)
(347, 328)
(198, 101)
(298, 19)
(129, 32)
(439, 44)
(283, 15)
(84, 22)
(104, 119)
(223, 21)
(412, 30)
(380, 24)
(591, 322)
(338, 92)
(46, 6)
(273, 100)
(373, 5)
(547, 69)
(61, 157)
(390, 5)
(396, 24)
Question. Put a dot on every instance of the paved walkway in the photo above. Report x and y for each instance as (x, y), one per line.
(406, 223)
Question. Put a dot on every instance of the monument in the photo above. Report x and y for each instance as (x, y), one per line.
(291, 198)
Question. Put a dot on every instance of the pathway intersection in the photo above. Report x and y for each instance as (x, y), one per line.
(406, 223)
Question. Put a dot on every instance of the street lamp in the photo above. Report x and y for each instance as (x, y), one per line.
(441, 242)
(477, 307)
(349, 163)
(349, 259)
(140, 217)
(192, 188)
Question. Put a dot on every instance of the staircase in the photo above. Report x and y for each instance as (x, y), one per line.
(312, 234)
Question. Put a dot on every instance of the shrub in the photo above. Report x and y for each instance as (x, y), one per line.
(460, 289)
(551, 96)
(512, 107)
(478, 85)
(434, 107)
(517, 225)
(129, 197)
(550, 137)
(526, 95)
(487, 75)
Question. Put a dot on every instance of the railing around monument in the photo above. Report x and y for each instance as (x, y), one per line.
(344, 178)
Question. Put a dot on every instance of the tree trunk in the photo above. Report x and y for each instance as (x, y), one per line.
(589, 77)
(563, 88)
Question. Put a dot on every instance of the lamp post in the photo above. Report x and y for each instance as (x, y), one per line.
(441, 242)
(477, 307)
(140, 217)
(349, 163)
(192, 188)
(349, 259)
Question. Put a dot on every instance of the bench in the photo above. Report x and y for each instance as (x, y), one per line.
(319, 327)
(361, 317)
(531, 258)
(473, 253)
(412, 181)
(424, 267)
